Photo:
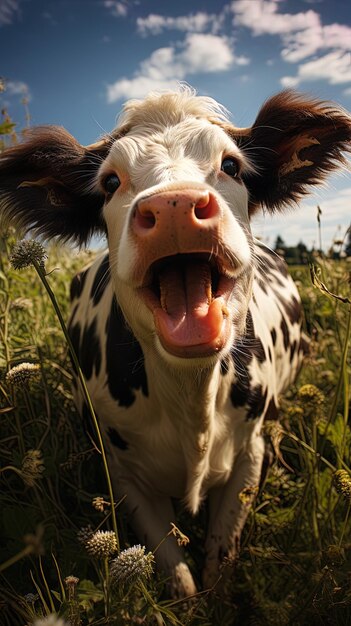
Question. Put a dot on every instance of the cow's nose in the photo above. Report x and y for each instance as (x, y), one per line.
(189, 209)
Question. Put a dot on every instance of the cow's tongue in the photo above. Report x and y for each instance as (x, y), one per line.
(188, 315)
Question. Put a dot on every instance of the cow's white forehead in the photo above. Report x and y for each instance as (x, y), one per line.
(169, 108)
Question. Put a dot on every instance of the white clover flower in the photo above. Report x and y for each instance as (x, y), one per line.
(131, 566)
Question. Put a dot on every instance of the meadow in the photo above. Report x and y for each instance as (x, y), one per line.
(61, 561)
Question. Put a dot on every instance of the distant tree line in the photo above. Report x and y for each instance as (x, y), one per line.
(301, 255)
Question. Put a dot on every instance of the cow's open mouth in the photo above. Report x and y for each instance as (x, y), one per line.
(188, 294)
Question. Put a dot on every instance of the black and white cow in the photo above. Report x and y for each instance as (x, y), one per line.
(189, 329)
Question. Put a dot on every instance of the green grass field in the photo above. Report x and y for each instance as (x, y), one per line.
(295, 562)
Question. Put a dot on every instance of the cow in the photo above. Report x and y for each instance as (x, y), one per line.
(189, 329)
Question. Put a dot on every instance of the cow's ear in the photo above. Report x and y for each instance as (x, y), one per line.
(47, 185)
(295, 142)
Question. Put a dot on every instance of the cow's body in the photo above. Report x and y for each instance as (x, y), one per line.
(170, 435)
(189, 331)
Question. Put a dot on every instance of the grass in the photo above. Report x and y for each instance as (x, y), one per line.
(295, 562)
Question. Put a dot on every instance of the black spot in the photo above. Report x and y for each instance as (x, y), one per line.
(239, 393)
(274, 335)
(90, 351)
(124, 360)
(270, 354)
(293, 350)
(224, 366)
(272, 410)
(116, 439)
(77, 285)
(285, 331)
(101, 280)
(258, 350)
(256, 402)
(292, 308)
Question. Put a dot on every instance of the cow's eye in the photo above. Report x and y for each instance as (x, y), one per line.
(230, 167)
(111, 183)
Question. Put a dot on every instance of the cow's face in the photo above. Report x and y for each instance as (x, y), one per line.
(173, 187)
(177, 219)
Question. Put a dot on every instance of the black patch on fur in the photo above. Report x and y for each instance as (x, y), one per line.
(293, 309)
(224, 366)
(270, 354)
(116, 439)
(77, 285)
(272, 410)
(293, 350)
(256, 402)
(89, 424)
(285, 331)
(124, 360)
(274, 336)
(101, 280)
(74, 331)
(90, 351)
(258, 350)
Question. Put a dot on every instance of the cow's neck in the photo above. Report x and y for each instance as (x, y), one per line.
(192, 402)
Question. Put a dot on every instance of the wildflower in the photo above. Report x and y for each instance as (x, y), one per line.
(182, 540)
(310, 394)
(22, 374)
(30, 598)
(50, 620)
(71, 583)
(32, 467)
(99, 504)
(28, 252)
(132, 566)
(84, 534)
(247, 494)
(342, 483)
(101, 544)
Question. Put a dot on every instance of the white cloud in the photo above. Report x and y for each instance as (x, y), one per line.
(155, 24)
(8, 11)
(262, 17)
(17, 88)
(302, 44)
(334, 67)
(199, 53)
(118, 8)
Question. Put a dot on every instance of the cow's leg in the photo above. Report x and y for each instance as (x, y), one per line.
(227, 513)
(150, 517)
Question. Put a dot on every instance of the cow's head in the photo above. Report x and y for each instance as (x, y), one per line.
(174, 187)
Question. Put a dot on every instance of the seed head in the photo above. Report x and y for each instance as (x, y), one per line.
(342, 483)
(182, 540)
(84, 534)
(101, 544)
(27, 252)
(310, 394)
(30, 598)
(22, 374)
(32, 467)
(131, 566)
(99, 504)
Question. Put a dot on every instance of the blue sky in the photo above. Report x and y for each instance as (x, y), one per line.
(79, 60)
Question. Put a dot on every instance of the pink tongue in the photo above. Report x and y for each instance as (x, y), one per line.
(188, 316)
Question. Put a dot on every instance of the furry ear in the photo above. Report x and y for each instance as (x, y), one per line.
(46, 185)
(295, 142)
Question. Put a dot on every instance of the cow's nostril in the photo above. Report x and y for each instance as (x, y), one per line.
(145, 219)
(204, 209)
